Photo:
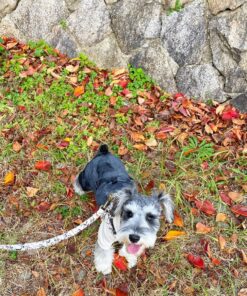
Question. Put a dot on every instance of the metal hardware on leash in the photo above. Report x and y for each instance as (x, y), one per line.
(55, 240)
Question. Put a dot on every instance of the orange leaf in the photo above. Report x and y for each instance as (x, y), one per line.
(141, 147)
(79, 90)
(43, 165)
(16, 146)
(221, 217)
(178, 221)
(9, 179)
(172, 234)
(41, 292)
(222, 242)
(137, 137)
(215, 261)
(78, 292)
(201, 228)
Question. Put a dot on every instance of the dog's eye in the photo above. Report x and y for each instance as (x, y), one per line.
(150, 217)
(128, 214)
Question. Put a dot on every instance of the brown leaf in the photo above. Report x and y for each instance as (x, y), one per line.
(137, 137)
(235, 196)
(141, 147)
(201, 228)
(222, 242)
(122, 150)
(244, 256)
(9, 179)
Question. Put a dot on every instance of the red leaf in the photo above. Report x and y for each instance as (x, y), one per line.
(178, 95)
(230, 114)
(21, 108)
(43, 206)
(239, 210)
(43, 165)
(120, 262)
(196, 261)
(69, 192)
(149, 186)
(121, 292)
(206, 207)
(63, 144)
(78, 293)
(225, 198)
(215, 261)
(123, 83)
(125, 92)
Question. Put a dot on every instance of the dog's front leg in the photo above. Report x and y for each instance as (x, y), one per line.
(132, 259)
(103, 259)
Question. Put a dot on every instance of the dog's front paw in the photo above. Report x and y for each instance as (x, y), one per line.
(103, 267)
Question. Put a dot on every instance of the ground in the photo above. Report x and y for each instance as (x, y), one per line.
(54, 113)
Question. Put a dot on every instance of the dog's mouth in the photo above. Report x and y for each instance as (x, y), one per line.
(133, 248)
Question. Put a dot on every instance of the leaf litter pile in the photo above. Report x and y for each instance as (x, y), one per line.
(54, 114)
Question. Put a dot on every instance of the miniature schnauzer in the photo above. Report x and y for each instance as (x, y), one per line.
(133, 220)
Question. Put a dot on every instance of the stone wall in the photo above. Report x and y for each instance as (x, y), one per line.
(200, 50)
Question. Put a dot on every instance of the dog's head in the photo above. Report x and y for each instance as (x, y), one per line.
(140, 219)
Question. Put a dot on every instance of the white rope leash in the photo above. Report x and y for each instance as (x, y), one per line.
(53, 241)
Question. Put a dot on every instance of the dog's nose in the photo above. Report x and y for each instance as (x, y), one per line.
(134, 238)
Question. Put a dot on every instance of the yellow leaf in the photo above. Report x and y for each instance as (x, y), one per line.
(221, 217)
(9, 178)
(172, 234)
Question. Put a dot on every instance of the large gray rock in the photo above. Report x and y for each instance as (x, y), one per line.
(217, 6)
(6, 6)
(90, 22)
(135, 21)
(34, 19)
(201, 81)
(184, 33)
(240, 102)
(228, 39)
(155, 60)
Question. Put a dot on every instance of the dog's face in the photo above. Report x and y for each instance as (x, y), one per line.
(140, 221)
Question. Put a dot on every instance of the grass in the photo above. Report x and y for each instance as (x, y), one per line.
(40, 111)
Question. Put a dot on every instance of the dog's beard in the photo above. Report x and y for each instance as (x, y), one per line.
(147, 240)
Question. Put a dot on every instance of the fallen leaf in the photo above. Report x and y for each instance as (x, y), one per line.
(79, 90)
(78, 292)
(16, 146)
(242, 292)
(215, 261)
(72, 69)
(31, 191)
(43, 206)
(141, 147)
(222, 242)
(221, 217)
(230, 114)
(178, 221)
(206, 207)
(120, 262)
(220, 109)
(41, 292)
(244, 256)
(122, 150)
(239, 210)
(201, 228)
(149, 186)
(151, 142)
(172, 234)
(43, 165)
(9, 179)
(235, 196)
(137, 137)
(89, 141)
(196, 261)
(225, 198)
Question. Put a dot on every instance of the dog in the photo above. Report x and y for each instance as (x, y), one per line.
(133, 219)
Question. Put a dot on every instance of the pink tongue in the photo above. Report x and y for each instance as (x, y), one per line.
(133, 248)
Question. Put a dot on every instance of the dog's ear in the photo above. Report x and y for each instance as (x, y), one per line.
(167, 203)
(120, 198)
